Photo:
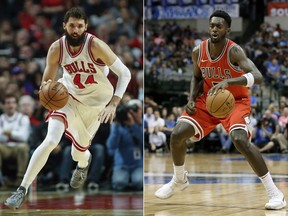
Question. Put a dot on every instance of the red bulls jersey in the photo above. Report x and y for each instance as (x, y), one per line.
(216, 70)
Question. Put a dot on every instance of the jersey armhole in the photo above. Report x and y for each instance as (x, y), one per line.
(98, 61)
(61, 51)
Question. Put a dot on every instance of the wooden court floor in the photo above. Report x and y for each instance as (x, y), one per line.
(220, 185)
(78, 203)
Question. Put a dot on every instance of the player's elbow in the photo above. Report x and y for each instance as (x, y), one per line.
(258, 78)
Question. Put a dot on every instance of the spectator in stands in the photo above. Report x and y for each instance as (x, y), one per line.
(170, 123)
(125, 145)
(283, 119)
(262, 136)
(149, 118)
(158, 120)
(27, 106)
(273, 108)
(157, 140)
(277, 136)
(14, 132)
(6, 35)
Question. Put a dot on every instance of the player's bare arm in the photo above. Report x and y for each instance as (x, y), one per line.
(239, 58)
(52, 62)
(196, 87)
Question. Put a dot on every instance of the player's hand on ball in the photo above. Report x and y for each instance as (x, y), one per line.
(190, 107)
(45, 83)
(222, 85)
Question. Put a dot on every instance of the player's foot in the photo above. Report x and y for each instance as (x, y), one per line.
(79, 175)
(15, 200)
(167, 190)
(276, 201)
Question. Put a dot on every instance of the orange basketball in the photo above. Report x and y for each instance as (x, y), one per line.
(220, 104)
(53, 96)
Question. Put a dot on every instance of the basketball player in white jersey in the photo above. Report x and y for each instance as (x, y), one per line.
(85, 60)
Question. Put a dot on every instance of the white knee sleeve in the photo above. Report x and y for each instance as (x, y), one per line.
(55, 131)
(40, 156)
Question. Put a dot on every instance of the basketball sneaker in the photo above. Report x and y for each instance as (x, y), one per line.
(276, 201)
(169, 189)
(16, 200)
(79, 175)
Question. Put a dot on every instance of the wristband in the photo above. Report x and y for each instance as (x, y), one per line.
(250, 79)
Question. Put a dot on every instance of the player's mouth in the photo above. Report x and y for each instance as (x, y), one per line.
(75, 36)
(215, 36)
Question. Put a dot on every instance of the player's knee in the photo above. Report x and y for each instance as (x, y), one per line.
(176, 136)
(50, 143)
(240, 140)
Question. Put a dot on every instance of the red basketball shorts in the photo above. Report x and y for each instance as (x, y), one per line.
(204, 123)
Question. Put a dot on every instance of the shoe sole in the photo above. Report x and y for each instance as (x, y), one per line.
(11, 206)
(281, 207)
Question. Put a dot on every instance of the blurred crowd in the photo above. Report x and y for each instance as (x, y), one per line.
(27, 29)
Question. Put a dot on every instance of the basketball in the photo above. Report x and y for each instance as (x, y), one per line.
(53, 95)
(220, 104)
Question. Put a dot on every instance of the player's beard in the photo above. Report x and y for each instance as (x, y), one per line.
(74, 42)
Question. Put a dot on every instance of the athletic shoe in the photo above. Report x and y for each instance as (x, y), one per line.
(276, 202)
(16, 200)
(79, 175)
(169, 189)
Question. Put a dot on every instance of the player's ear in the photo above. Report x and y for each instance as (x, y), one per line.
(228, 30)
(64, 26)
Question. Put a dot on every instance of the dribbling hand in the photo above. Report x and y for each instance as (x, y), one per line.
(190, 108)
(45, 83)
(222, 85)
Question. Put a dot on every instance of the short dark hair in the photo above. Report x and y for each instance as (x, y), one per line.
(222, 14)
(10, 95)
(75, 12)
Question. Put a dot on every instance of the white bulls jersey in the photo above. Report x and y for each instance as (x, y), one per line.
(85, 77)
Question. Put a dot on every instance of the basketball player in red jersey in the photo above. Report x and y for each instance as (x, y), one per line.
(85, 61)
(219, 63)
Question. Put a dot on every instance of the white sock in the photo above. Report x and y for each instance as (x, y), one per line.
(269, 185)
(179, 173)
(80, 157)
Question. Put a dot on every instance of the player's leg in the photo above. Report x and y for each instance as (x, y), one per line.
(252, 154)
(83, 159)
(40, 156)
(180, 134)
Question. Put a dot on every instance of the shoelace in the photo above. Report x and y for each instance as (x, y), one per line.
(80, 174)
(18, 195)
